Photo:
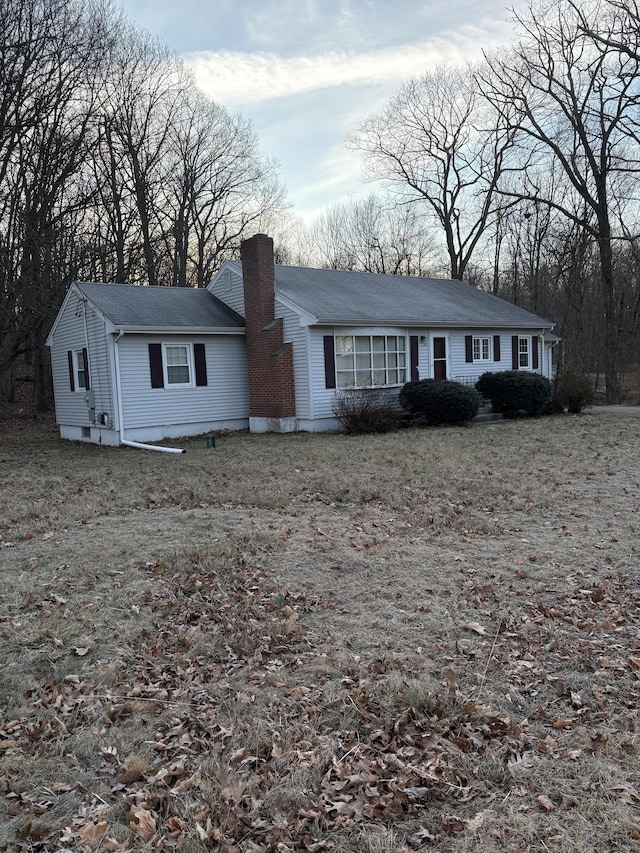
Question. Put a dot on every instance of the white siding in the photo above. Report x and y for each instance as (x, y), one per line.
(322, 398)
(228, 287)
(461, 371)
(299, 337)
(71, 408)
(224, 399)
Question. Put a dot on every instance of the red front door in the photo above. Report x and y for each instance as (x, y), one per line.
(439, 358)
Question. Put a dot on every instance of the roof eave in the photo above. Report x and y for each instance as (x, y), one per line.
(430, 324)
(119, 328)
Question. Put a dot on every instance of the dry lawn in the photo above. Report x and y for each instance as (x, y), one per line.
(423, 640)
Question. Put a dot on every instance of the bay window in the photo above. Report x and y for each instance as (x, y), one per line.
(370, 361)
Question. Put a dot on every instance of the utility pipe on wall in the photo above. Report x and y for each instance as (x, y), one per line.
(139, 445)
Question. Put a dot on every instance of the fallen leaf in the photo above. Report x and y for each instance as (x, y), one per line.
(92, 833)
(143, 823)
(544, 802)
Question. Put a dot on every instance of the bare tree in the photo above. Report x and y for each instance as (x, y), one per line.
(439, 142)
(374, 235)
(220, 185)
(574, 99)
(622, 32)
(146, 87)
(112, 166)
(52, 53)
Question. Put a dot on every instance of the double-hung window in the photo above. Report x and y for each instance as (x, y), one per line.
(523, 352)
(370, 361)
(79, 369)
(177, 364)
(482, 349)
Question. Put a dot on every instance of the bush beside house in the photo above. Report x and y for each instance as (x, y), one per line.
(515, 393)
(574, 391)
(363, 411)
(440, 401)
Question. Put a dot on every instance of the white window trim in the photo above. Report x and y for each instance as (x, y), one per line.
(481, 338)
(373, 334)
(78, 368)
(527, 340)
(190, 364)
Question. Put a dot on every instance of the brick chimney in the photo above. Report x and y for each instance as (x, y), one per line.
(272, 406)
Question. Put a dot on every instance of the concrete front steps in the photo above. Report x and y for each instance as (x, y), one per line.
(486, 415)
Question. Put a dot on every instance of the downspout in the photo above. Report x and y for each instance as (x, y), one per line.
(137, 444)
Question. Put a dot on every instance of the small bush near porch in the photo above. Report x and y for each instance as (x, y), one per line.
(440, 401)
(515, 393)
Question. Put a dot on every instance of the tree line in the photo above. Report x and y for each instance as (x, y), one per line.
(518, 174)
(113, 167)
(526, 166)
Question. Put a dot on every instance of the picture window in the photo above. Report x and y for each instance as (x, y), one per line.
(370, 361)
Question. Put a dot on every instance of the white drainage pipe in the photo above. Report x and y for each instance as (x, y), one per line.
(151, 446)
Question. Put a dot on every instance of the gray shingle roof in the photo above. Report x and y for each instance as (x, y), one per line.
(130, 306)
(359, 298)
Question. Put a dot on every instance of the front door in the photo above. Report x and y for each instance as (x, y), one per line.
(439, 358)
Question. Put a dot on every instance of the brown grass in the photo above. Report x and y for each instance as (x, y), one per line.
(374, 643)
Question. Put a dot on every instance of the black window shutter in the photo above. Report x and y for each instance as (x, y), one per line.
(496, 347)
(413, 357)
(329, 361)
(85, 367)
(155, 365)
(468, 348)
(72, 382)
(201, 364)
(515, 361)
(534, 352)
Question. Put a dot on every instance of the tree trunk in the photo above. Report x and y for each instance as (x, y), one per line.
(611, 332)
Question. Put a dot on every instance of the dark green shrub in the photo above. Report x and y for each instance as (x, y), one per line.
(574, 391)
(515, 393)
(439, 401)
(366, 411)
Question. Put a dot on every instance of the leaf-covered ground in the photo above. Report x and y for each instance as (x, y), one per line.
(393, 643)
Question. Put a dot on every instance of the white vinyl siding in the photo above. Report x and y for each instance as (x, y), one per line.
(469, 372)
(460, 371)
(225, 397)
(298, 336)
(71, 407)
(227, 286)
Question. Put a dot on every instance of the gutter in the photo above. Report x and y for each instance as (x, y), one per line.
(137, 444)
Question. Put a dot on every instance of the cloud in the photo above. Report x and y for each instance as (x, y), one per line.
(238, 79)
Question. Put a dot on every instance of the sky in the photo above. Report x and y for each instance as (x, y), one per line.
(307, 73)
